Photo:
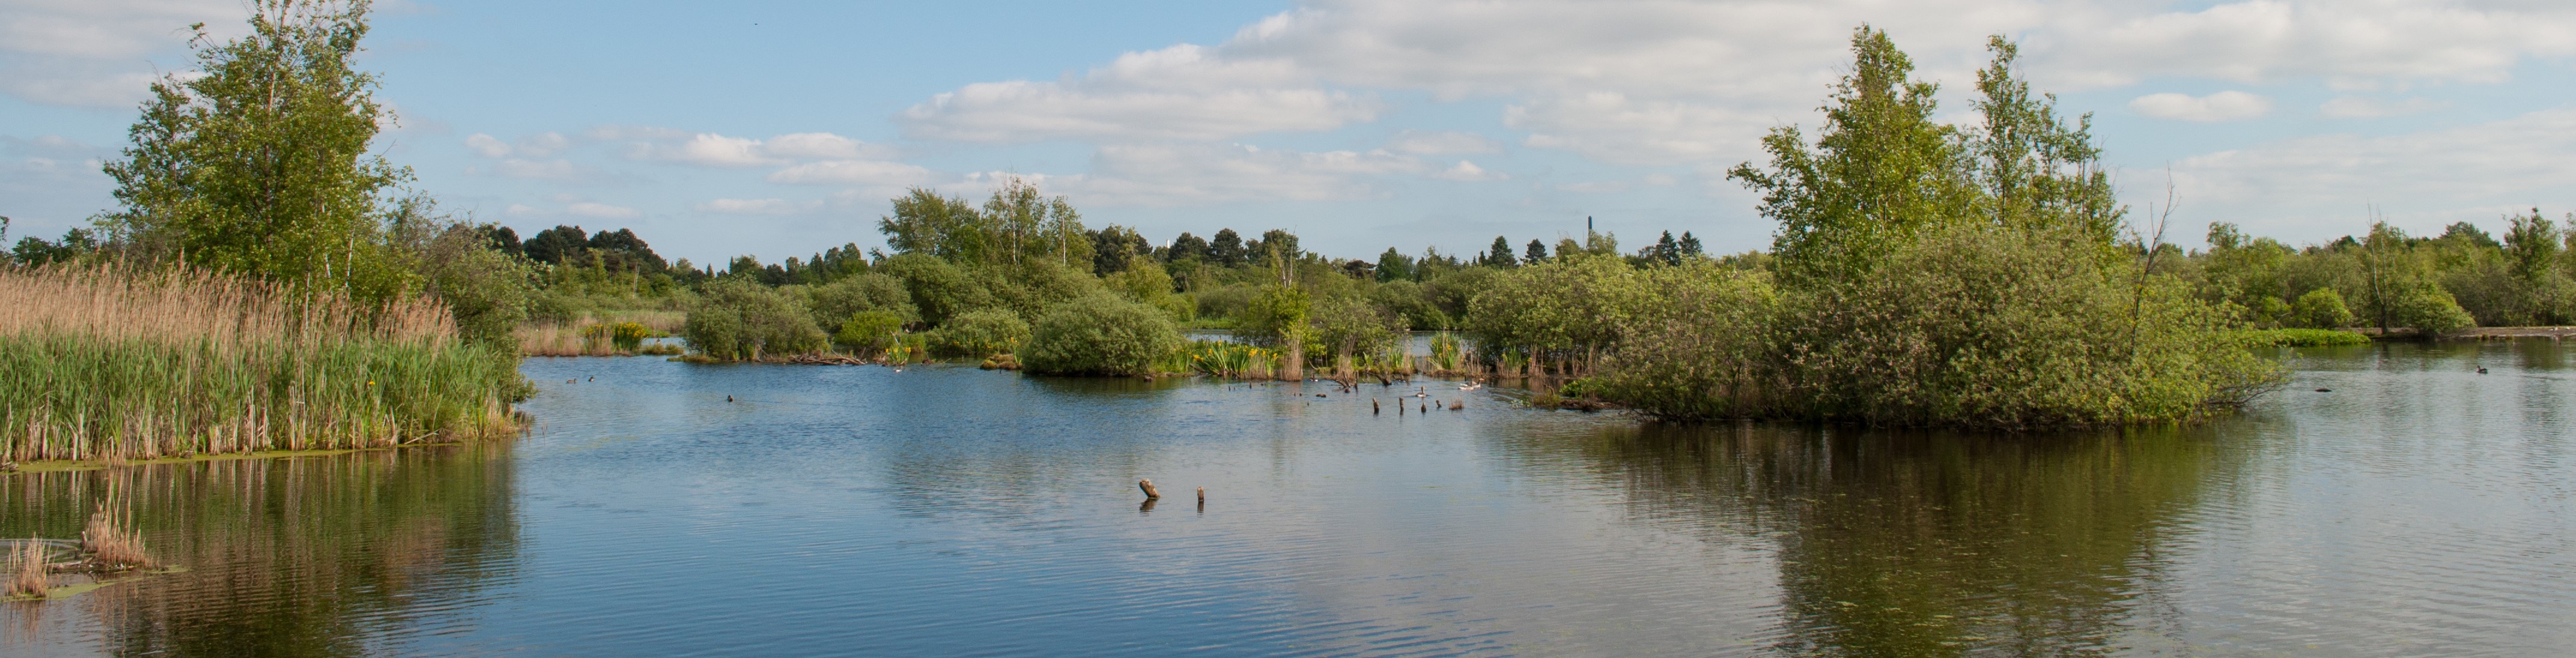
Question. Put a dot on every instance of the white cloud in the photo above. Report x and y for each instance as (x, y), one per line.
(822, 146)
(2327, 178)
(556, 169)
(2221, 106)
(1468, 171)
(1446, 142)
(1596, 187)
(754, 207)
(2274, 40)
(714, 150)
(487, 145)
(94, 53)
(854, 172)
(1612, 127)
(2363, 107)
(707, 150)
(602, 211)
(1184, 92)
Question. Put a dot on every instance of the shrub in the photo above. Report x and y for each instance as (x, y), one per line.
(938, 289)
(2321, 308)
(979, 334)
(1970, 326)
(2000, 328)
(835, 303)
(2430, 309)
(1698, 349)
(869, 332)
(737, 320)
(1099, 335)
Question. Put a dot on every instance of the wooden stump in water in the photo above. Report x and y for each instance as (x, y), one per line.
(1202, 495)
(1148, 486)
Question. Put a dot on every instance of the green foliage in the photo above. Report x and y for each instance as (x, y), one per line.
(2321, 308)
(833, 304)
(938, 289)
(2304, 338)
(1565, 308)
(1346, 326)
(486, 290)
(869, 332)
(740, 320)
(979, 334)
(261, 166)
(624, 336)
(1697, 346)
(1881, 170)
(2004, 328)
(1016, 226)
(1276, 316)
(1100, 335)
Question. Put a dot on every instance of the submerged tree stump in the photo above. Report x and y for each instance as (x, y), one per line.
(1148, 486)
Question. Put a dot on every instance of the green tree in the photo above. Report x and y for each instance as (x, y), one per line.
(1881, 170)
(1395, 266)
(2035, 170)
(1534, 254)
(1501, 254)
(261, 165)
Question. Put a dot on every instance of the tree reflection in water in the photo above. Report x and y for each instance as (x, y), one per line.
(1928, 543)
(335, 555)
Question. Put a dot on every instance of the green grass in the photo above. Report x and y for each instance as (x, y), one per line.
(2303, 338)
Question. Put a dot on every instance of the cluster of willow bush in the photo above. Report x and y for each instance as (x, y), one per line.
(1971, 326)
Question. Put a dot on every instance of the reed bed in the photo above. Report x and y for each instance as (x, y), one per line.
(27, 570)
(594, 339)
(110, 540)
(113, 363)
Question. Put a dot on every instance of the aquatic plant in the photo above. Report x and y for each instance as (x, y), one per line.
(106, 361)
(109, 540)
(27, 569)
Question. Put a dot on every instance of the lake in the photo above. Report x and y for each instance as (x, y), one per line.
(2419, 507)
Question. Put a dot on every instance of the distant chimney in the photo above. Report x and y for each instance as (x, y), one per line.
(1587, 224)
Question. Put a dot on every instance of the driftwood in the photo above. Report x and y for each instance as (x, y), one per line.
(1148, 486)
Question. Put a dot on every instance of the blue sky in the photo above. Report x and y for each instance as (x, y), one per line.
(778, 129)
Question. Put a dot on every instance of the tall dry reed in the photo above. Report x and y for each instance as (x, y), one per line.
(111, 362)
(27, 569)
(110, 540)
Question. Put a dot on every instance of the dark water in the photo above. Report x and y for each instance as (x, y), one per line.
(2418, 509)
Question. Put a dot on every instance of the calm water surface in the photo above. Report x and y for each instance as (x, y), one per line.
(2417, 509)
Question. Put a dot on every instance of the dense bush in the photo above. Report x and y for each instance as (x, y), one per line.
(1099, 335)
(867, 333)
(2003, 328)
(742, 320)
(1699, 346)
(835, 303)
(979, 334)
(2321, 308)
